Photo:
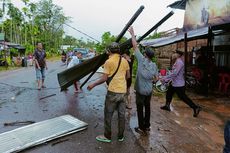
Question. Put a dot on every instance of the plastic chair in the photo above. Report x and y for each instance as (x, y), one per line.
(197, 73)
(224, 82)
(227, 82)
(163, 72)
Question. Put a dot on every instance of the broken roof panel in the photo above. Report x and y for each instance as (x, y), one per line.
(38, 133)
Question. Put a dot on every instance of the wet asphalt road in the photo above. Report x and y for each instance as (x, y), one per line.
(171, 132)
(21, 101)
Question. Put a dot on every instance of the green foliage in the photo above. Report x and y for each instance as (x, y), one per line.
(107, 39)
(35, 22)
(69, 40)
(154, 36)
(1, 13)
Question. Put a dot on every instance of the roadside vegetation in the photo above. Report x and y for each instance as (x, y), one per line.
(44, 22)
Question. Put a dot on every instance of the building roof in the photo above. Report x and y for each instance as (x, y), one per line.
(180, 4)
(191, 35)
(194, 34)
(12, 45)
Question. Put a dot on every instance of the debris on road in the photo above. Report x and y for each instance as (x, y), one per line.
(39, 133)
(47, 96)
(96, 125)
(160, 129)
(165, 148)
(18, 123)
(60, 141)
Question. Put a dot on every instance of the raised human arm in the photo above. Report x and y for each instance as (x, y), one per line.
(134, 41)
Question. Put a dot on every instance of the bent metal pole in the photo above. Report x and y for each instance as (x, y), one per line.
(68, 76)
(134, 17)
(128, 43)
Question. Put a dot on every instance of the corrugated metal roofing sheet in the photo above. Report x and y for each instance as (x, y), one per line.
(173, 39)
(37, 133)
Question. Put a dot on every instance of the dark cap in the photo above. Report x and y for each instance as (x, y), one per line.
(149, 53)
(114, 47)
(179, 52)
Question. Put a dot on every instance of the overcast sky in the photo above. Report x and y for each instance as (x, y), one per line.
(95, 17)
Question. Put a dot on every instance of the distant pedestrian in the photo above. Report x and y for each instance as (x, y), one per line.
(227, 137)
(75, 60)
(146, 71)
(69, 56)
(91, 54)
(130, 60)
(178, 85)
(116, 71)
(63, 57)
(40, 65)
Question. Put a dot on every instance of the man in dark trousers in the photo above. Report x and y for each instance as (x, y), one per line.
(227, 138)
(40, 65)
(178, 85)
(117, 67)
(146, 71)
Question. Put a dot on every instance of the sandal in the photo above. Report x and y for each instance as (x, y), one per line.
(121, 139)
(102, 138)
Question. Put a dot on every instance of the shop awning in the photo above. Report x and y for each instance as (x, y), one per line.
(12, 45)
(201, 33)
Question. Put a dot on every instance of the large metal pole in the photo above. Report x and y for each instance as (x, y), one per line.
(128, 44)
(156, 26)
(186, 55)
(134, 17)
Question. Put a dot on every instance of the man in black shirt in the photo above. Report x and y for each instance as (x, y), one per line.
(40, 65)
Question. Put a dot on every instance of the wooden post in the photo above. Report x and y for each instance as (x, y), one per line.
(206, 74)
(185, 55)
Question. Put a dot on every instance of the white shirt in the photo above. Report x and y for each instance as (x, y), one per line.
(74, 61)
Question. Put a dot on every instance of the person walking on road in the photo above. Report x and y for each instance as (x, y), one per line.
(40, 65)
(116, 72)
(146, 71)
(75, 60)
(178, 85)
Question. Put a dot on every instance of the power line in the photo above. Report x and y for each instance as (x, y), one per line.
(82, 33)
(75, 29)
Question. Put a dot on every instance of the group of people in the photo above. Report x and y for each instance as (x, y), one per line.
(146, 71)
(39, 58)
(117, 70)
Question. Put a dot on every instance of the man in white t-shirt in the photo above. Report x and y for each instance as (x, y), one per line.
(74, 61)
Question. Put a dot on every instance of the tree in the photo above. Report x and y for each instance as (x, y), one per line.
(50, 20)
(69, 40)
(35, 22)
